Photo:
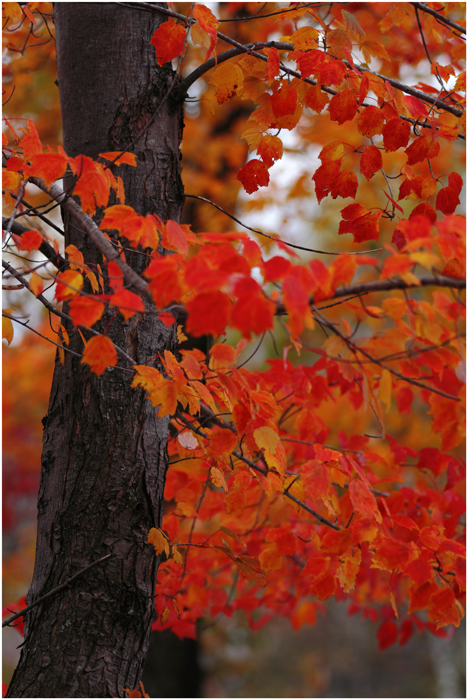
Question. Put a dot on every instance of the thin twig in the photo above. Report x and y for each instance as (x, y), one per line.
(55, 590)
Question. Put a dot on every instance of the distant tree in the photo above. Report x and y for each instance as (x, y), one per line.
(290, 485)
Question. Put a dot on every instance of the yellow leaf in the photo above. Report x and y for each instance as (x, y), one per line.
(385, 389)
(266, 438)
(165, 615)
(158, 539)
(176, 555)
(7, 327)
(217, 478)
(36, 284)
(227, 79)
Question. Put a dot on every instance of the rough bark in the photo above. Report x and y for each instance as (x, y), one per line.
(104, 449)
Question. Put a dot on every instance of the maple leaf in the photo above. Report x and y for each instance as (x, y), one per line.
(208, 22)
(92, 186)
(284, 100)
(273, 63)
(396, 134)
(29, 240)
(159, 540)
(343, 106)
(162, 392)
(127, 303)
(208, 314)
(86, 311)
(30, 143)
(168, 41)
(370, 121)
(99, 354)
(69, 284)
(253, 175)
(270, 148)
(128, 158)
(371, 161)
(48, 166)
(228, 79)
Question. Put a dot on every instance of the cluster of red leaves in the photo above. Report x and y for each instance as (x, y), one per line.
(246, 491)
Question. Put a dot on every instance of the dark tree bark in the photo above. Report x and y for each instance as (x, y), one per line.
(104, 449)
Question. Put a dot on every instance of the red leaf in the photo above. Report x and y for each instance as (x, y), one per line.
(253, 175)
(371, 162)
(344, 185)
(167, 318)
(370, 121)
(284, 101)
(406, 632)
(273, 63)
(343, 106)
(208, 314)
(168, 41)
(396, 134)
(270, 149)
(447, 200)
(387, 634)
(455, 182)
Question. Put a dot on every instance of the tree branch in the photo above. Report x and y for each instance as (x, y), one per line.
(99, 240)
(45, 248)
(53, 309)
(264, 472)
(445, 20)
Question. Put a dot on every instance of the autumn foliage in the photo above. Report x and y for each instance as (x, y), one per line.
(296, 482)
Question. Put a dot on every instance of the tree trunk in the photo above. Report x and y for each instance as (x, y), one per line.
(104, 449)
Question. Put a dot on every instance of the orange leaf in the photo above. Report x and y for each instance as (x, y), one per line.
(217, 478)
(99, 354)
(73, 281)
(128, 158)
(158, 539)
(29, 240)
(222, 357)
(127, 303)
(222, 442)
(85, 311)
(228, 79)
(208, 22)
(48, 166)
(168, 41)
(363, 500)
(30, 143)
(270, 149)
